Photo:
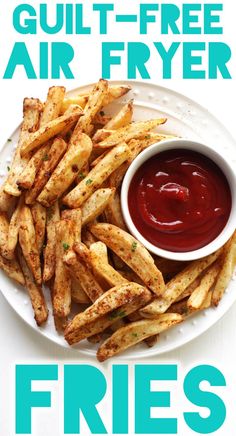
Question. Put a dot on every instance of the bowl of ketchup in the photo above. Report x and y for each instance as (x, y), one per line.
(178, 198)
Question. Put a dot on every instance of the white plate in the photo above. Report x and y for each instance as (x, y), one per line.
(187, 119)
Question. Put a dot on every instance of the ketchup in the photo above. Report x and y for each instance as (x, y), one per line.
(179, 200)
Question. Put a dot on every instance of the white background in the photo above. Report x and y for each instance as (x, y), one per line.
(18, 343)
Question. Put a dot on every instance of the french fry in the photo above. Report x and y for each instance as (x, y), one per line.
(96, 204)
(87, 237)
(99, 261)
(49, 162)
(80, 100)
(67, 170)
(134, 333)
(14, 227)
(53, 216)
(132, 131)
(4, 230)
(122, 119)
(178, 284)
(35, 292)
(48, 131)
(27, 177)
(31, 112)
(7, 201)
(198, 296)
(39, 217)
(97, 176)
(53, 104)
(113, 212)
(189, 290)
(12, 269)
(62, 283)
(27, 240)
(132, 253)
(77, 293)
(105, 311)
(75, 216)
(228, 264)
(88, 282)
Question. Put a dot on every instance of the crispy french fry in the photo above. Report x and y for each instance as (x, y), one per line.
(198, 296)
(97, 176)
(67, 170)
(87, 237)
(31, 112)
(228, 264)
(189, 290)
(14, 227)
(112, 305)
(49, 162)
(27, 239)
(132, 131)
(134, 333)
(96, 204)
(53, 104)
(4, 230)
(121, 119)
(80, 100)
(12, 269)
(53, 216)
(132, 253)
(113, 212)
(6, 201)
(39, 216)
(99, 261)
(77, 293)
(178, 284)
(62, 284)
(88, 282)
(35, 292)
(27, 177)
(48, 131)
(75, 216)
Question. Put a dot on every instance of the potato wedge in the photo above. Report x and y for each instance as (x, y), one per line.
(96, 204)
(80, 100)
(178, 284)
(67, 170)
(228, 265)
(53, 216)
(4, 230)
(132, 253)
(53, 104)
(32, 108)
(121, 119)
(27, 240)
(75, 216)
(27, 177)
(7, 201)
(87, 237)
(105, 311)
(62, 284)
(14, 227)
(97, 176)
(132, 131)
(49, 162)
(39, 217)
(198, 296)
(48, 131)
(113, 212)
(35, 292)
(12, 269)
(77, 293)
(134, 333)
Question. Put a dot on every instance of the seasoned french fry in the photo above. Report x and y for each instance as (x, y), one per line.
(111, 306)
(88, 282)
(178, 284)
(132, 253)
(53, 104)
(6, 201)
(27, 239)
(122, 119)
(97, 176)
(49, 162)
(48, 131)
(99, 261)
(53, 216)
(96, 204)
(132, 131)
(228, 264)
(87, 237)
(12, 269)
(62, 284)
(75, 216)
(35, 292)
(27, 177)
(198, 296)
(77, 293)
(67, 169)
(113, 212)
(31, 112)
(39, 216)
(80, 100)
(134, 333)
(14, 227)
(4, 230)
(189, 290)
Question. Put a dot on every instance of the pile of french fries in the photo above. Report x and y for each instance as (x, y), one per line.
(61, 226)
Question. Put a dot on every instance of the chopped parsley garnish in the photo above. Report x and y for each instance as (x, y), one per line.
(147, 137)
(117, 314)
(134, 246)
(88, 182)
(45, 157)
(102, 113)
(9, 140)
(81, 175)
(8, 168)
(65, 246)
(135, 335)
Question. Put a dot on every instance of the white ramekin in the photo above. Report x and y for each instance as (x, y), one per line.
(216, 157)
